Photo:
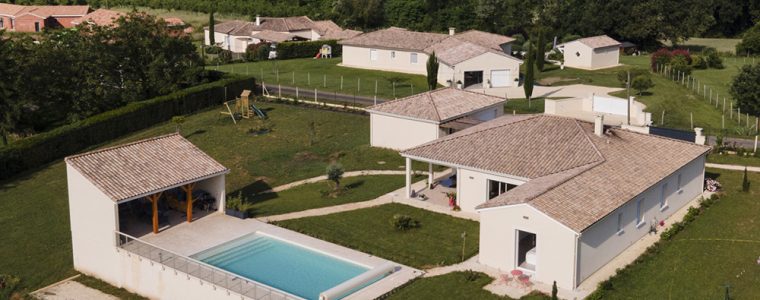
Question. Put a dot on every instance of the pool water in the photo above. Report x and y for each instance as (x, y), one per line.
(280, 264)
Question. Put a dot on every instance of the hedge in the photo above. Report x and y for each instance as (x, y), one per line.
(288, 50)
(49, 146)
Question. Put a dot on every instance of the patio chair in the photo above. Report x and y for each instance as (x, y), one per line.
(525, 281)
(505, 279)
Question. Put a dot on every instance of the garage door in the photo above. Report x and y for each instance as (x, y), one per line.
(499, 78)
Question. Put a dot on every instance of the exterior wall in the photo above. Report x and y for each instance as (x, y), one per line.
(64, 22)
(489, 113)
(601, 242)
(7, 22)
(555, 244)
(472, 188)
(605, 57)
(398, 133)
(94, 221)
(26, 22)
(486, 63)
(215, 187)
(306, 34)
(359, 57)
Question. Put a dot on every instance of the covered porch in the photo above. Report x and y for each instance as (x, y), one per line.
(439, 189)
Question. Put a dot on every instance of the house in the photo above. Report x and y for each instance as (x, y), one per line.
(34, 18)
(417, 119)
(558, 198)
(107, 17)
(237, 35)
(614, 109)
(591, 53)
(126, 189)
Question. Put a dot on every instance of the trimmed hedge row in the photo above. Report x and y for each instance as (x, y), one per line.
(290, 50)
(49, 146)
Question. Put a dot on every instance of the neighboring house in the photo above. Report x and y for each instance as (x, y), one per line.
(35, 18)
(237, 35)
(558, 197)
(613, 108)
(418, 119)
(473, 58)
(111, 192)
(106, 17)
(591, 53)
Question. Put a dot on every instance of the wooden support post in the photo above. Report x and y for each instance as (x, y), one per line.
(188, 188)
(154, 203)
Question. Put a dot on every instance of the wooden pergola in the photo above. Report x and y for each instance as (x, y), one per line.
(154, 198)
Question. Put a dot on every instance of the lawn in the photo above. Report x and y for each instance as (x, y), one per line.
(719, 248)
(722, 45)
(104, 287)
(315, 195)
(34, 205)
(456, 285)
(521, 106)
(436, 242)
(325, 75)
(734, 159)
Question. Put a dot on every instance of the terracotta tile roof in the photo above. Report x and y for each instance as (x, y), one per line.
(287, 24)
(340, 34)
(452, 51)
(10, 9)
(100, 17)
(324, 26)
(485, 39)
(144, 167)
(439, 105)
(600, 41)
(396, 38)
(235, 27)
(273, 36)
(44, 11)
(574, 176)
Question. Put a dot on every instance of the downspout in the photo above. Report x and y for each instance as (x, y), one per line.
(575, 264)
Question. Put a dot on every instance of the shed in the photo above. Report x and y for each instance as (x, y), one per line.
(591, 53)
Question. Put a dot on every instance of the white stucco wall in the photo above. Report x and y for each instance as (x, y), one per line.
(555, 243)
(236, 44)
(590, 58)
(605, 57)
(94, 221)
(359, 57)
(601, 242)
(485, 62)
(472, 187)
(399, 133)
(215, 187)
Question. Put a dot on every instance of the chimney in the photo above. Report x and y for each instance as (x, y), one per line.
(452, 30)
(258, 20)
(599, 125)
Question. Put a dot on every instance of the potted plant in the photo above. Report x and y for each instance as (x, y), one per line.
(452, 198)
(459, 84)
(237, 207)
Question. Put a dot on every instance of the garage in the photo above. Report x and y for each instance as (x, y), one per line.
(500, 78)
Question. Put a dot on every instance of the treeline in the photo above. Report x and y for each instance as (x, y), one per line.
(68, 75)
(644, 21)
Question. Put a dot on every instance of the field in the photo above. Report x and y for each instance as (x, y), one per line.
(718, 249)
(35, 204)
(326, 74)
(722, 45)
(436, 242)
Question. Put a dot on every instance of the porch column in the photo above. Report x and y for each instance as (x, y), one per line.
(408, 174)
(189, 195)
(154, 203)
(430, 176)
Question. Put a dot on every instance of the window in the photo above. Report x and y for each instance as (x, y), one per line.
(413, 58)
(496, 188)
(620, 223)
(2, 22)
(36, 26)
(678, 183)
(393, 54)
(578, 54)
(373, 54)
(639, 217)
(663, 197)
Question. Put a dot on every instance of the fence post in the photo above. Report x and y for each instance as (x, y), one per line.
(315, 95)
(341, 82)
(662, 119)
(723, 122)
(294, 78)
(724, 103)
(308, 78)
(296, 93)
(691, 119)
(376, 89)
(358, 84)
(324, 80)
(279, 91)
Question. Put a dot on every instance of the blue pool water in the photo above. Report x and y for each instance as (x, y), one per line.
(282, 265)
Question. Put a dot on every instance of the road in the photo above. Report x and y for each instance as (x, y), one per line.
(333, 97)
(743, 143)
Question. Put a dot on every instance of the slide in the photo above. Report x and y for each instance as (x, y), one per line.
(318, 55)
(258, 112)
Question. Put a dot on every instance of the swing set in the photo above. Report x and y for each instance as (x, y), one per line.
(243, 108)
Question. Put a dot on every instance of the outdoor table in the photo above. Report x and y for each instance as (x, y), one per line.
(516, 274)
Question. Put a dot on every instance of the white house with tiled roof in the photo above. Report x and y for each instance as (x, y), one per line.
(558, 198)
(474, 58)
(591, 53)
(408, 122)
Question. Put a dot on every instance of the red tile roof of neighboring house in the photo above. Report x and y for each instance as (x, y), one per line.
(54, 10)
(439, 105)
(101, 17)
(599, 41)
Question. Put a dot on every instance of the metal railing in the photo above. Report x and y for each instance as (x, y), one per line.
(207, 274)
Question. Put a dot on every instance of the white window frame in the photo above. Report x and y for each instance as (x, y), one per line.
(373, 54)
(413, 58)
(620, 223)
(664, 197)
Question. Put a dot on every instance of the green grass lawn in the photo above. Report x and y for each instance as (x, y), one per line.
(325, 75)
(314, 195)
(554, 76)
(521, 106)
(34, 205)
(722, 45)
(719, 248)
(436, 242)
(734, 159)
(107, 288)
(456, 285)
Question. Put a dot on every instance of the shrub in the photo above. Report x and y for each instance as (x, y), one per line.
(8, 285)
(750, 43)
(35, 151)
(745, 181)
(712, 59)
(697, 62)
(642, 83)
(660, 57)
(335, 174)
(471, 276)
(257, 52)
(556, 55)
(225, 56)
(238, 203)
(622, 75)
(680, 64)
(213, 49)
(290, 50)
(403, 222)
(682, 53)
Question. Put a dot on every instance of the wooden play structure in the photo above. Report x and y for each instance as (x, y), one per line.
(324, 52)
(243, 108)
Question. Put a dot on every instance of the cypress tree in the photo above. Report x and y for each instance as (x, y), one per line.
(529, 65)
(211, 34)
(540, 51)
(432, 71)
(745, 181)
(554, 291)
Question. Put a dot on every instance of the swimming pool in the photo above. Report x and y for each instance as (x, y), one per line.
(283, 265)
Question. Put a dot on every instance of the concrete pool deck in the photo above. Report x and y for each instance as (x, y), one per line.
(190, 238)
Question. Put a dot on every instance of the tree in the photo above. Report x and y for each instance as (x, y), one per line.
(529, 66)
(750, 43)
(642, 83)
(9, 105)
(554, 290)
(335, 174)
(432, 71)
(745, 89)
(540, 51)
(211, 35)
(745, 181)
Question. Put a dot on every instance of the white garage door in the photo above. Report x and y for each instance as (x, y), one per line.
(499, 78)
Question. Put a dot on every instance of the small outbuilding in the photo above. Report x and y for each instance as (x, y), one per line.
(591, 53)
(408, 122)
